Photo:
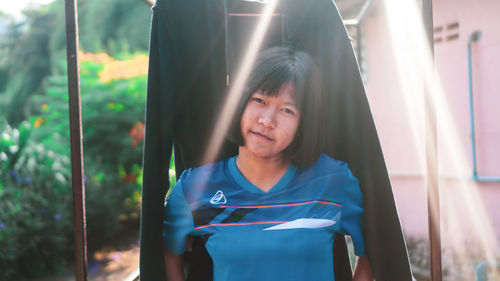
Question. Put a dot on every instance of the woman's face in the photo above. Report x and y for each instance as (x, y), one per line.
(269, 124)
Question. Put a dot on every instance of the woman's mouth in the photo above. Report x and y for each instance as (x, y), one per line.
(261, 136)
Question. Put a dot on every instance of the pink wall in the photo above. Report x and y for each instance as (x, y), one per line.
(463, 200)
(451, 63)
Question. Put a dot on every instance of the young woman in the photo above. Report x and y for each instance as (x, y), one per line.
(272, 211)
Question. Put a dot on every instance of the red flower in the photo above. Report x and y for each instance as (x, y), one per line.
(137, 133)
(129, 178)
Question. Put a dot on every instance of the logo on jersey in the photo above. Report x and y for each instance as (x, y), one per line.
(218, 198)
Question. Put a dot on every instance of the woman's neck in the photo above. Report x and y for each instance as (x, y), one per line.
(262, 172)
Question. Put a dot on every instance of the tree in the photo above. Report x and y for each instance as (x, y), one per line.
(31, 50)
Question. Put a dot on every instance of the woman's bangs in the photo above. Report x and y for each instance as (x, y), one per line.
(275, 79)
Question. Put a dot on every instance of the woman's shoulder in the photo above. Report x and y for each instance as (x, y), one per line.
(329, 165)
(204, 177)
(206, 169)
(325, 166)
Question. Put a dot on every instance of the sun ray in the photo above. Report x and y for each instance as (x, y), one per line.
(468, 235)
(242, 74)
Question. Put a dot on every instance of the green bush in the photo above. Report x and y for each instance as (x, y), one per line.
(35, 214)
(112, 117)
(36, 230)
(112, 125)
(105, 206)
(31, 50)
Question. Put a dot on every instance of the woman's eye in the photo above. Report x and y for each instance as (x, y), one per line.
(258, 100)
(288, 111)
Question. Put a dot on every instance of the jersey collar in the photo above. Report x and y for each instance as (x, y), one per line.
(244, 183)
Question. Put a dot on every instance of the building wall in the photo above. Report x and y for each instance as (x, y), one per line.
(469, 208)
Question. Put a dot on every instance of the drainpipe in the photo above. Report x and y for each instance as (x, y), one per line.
(356, 22)
(474, 37)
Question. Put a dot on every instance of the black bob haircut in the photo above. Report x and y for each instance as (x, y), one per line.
(274, 68)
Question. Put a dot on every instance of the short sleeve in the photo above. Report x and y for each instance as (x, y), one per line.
(352, 214)
(177, 220)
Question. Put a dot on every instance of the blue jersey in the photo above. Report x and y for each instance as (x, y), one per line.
(286, 233)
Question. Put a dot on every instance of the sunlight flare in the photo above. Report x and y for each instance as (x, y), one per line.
(238, 84)
(468, 235)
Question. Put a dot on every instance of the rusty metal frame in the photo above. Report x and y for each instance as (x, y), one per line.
(77, 151)
(432, 180)
(76, 140)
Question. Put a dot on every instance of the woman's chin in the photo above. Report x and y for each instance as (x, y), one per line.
(259, 152)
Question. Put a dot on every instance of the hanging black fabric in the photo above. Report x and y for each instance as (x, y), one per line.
(186, 87)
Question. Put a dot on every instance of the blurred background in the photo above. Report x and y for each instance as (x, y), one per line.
(36, 236)
(36, 229)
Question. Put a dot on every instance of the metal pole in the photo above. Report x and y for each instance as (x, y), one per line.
(76, 141)
(431, 151)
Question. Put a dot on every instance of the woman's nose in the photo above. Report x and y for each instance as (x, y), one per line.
(268, 118)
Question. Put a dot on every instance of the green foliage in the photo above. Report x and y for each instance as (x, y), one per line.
(35, 222)
(32, 50)
(35, 225)
(111, 111)
(26, 63)
(35, 214)
(107, 200)
(112, 125)
(114, 26)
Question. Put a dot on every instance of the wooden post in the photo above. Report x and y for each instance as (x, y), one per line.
(76, 141)
(431, 150)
